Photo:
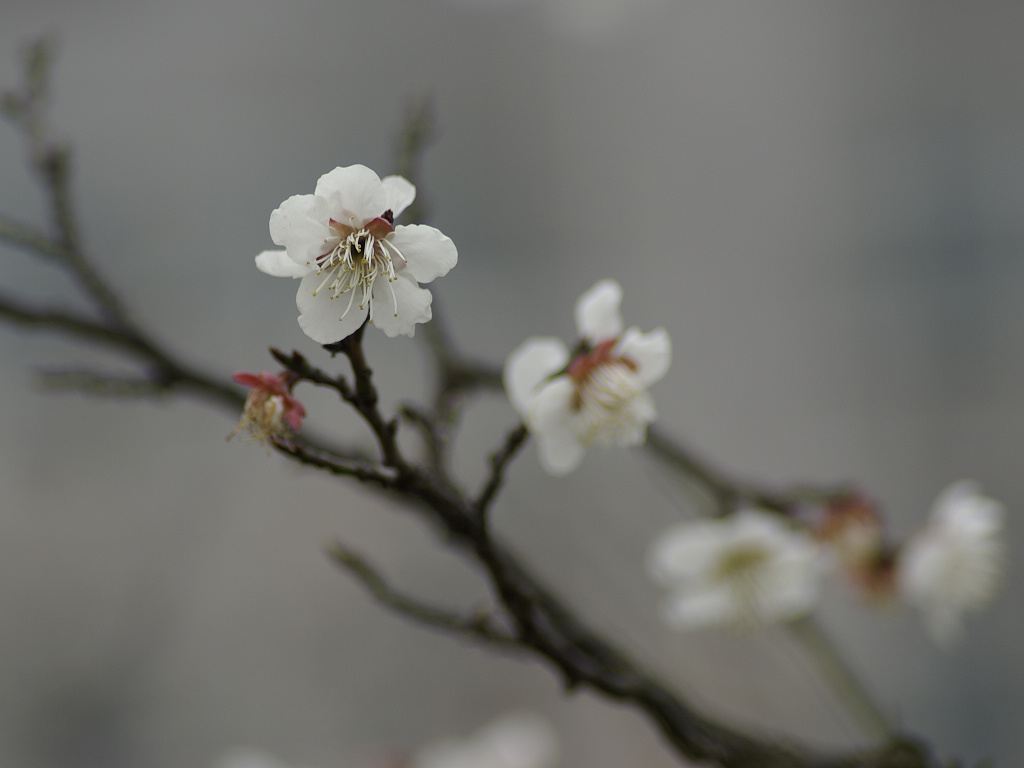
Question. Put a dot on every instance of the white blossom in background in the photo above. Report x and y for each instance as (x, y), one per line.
(751, 567)
(353, 261)
(954, 564)
(518, 740)
(594, 395)
(248, 757)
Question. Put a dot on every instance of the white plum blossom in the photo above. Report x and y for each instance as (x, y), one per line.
(354, 262)
(953, 565)
(593, 395)
(516, 740)
(750, 567)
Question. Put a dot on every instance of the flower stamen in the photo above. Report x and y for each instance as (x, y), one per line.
(356, 261)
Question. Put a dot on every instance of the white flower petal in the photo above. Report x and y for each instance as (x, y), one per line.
(962, 505)
(320, 315)
(300, 225)
(354, 195)
(531, 363)
(785, 592)
(398, 194)
(520, 740)
(652, 353)
(597, 311)
(279, 264)
(413, 306)
(954, 564)
(429, 253)
(247, 757)
(559, 450)
(683, 551)
(700, 608)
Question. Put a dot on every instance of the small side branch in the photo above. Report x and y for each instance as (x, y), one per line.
(101, 385)
(500, 460)
(23, 236)
(480, 626)
(835, 669)
(336, 465)
(27, 108)
(297, 363)
(74, 325)
(418, 132)
(730, 493)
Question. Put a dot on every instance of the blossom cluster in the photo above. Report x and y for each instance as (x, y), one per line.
(757, 566)
(753, 565)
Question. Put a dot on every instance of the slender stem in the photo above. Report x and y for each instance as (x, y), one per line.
(24, 236)
(479, 626)
(844, 681)
(500, 460)
(729, 492)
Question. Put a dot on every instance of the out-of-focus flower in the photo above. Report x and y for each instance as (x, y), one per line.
(520, 740)
(342, 240)
(747, 568)
(954, 564)
(270, 410)
(248, 757)
(594, 395)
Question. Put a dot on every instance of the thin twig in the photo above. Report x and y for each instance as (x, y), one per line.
(27, 237)
(842, 678)
(424, 422)
(480, 626)
(101, 385)
(730, 493)
(419, 131)
(74, 325)
(52, 163)
(500, 459)
(364, 471)
(297, 363)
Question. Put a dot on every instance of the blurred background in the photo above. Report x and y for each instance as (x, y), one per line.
(821, 202)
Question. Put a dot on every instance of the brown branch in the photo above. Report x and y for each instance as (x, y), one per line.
(479, 627)
(541, 623)
(583, 658)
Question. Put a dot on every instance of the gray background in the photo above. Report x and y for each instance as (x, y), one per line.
(821, 202)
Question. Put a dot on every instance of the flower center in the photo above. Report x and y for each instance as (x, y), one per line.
(610, 402)
(740, 563)
(740, 569)
(359, 257)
